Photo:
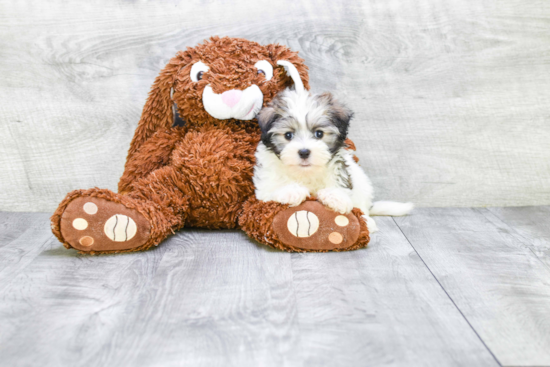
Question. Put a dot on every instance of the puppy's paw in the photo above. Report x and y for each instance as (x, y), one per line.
(293, 195)
(371, 224)
(336, 199)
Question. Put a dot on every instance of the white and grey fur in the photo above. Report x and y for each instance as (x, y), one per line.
(302, 153)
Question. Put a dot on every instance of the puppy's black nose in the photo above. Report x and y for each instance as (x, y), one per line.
(304, 153)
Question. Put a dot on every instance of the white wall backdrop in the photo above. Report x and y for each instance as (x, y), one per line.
(452, 98)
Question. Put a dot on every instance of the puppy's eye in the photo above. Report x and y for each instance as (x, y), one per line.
(289, 136)
(197, 71)
(261, 72)
(319, 134)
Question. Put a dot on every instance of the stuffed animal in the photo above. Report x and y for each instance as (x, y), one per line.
(190, 162)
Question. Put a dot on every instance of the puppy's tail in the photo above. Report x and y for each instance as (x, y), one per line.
(391, 208)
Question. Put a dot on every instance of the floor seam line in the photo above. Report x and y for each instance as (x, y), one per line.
(448, 295)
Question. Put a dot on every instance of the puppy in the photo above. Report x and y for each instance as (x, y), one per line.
(302, 153)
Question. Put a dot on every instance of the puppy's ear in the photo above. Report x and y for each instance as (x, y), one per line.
(266, 118)
(339, 113)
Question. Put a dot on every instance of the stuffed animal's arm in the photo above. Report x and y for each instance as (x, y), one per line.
(152, 155)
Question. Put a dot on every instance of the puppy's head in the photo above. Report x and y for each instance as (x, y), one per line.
(304, 130)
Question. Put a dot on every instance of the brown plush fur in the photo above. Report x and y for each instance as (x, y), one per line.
(200, 175)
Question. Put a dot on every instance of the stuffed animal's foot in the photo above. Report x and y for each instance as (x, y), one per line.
(313, 227)
(95, 224)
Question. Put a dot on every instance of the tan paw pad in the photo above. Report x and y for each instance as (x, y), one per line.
(335, 238)
(86, 241)
(90, 208)
(80, 224)
(120, 228)
(303, 223)
(341, 220)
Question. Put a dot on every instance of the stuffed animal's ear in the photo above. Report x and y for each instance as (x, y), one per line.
(294, 65)
(176, 118)
(158, 110)
(292, 71)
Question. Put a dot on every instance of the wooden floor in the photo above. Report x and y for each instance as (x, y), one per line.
(442, 287)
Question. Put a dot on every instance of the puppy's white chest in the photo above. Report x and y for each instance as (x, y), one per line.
(314, 179)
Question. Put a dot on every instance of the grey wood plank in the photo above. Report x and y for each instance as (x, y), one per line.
(214, 298)
(499, 285)
(532, 224)
(64, 309)
(23, 236)
(13, 225)
(200, 299)
(379, 307)
(450, 96)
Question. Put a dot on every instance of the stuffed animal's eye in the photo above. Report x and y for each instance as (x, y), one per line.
(319, 134)
(265, 68)
(197, 71)
(289, 136)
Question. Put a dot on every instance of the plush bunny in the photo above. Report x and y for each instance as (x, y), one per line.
(190, 163)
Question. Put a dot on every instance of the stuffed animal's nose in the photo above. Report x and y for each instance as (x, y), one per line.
(232, 97)
(304, 153)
